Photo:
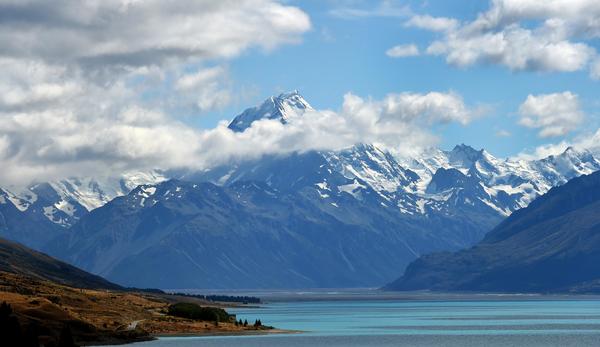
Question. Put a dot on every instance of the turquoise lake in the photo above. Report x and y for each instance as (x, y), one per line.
(395, 322)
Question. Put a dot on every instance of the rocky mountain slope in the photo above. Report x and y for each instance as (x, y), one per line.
(249, 235)
(553, 245)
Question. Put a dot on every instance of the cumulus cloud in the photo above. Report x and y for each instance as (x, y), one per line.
(553, 114)
(521, 35)
(134, 33)
(206, 88)
(76, 76)
(51, 143)
(401, 51)
(398, 121)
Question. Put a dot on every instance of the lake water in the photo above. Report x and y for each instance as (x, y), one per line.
(398, 322)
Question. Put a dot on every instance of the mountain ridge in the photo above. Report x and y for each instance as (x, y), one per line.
(550, 246)
(441, 200)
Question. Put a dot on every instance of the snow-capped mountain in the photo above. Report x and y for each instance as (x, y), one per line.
(512, 183)
(436, 180)
(282, 108)
(362, 213)
(551, 246)
(63, 202)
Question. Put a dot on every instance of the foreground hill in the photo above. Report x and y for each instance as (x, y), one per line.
(45, 300)
(18, 259)
(551, 246)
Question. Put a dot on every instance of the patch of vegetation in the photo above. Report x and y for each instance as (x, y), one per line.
(224, 298)
(196, 312)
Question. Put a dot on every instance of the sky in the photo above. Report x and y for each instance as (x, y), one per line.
(93, 87)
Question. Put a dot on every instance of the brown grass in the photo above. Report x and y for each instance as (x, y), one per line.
(110, 313)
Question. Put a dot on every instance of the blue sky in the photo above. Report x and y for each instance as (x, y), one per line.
(341, 54)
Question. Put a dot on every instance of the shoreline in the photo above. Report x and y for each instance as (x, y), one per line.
(196, 334)
(234, 333)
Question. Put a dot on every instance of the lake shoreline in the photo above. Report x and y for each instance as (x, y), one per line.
(233, 333)
(195, 334)
(555, 321)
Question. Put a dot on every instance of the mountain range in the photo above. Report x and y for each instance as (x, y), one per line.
(553, 245)
(352, 217)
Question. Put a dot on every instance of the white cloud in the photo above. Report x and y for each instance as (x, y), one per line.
(543, 151)
(432, 23)
(134, 33)
(206, 88)
(398, 121)
(522, 35)
(583, 142)
(433, 107)
(76, 76)
(553, 114)
(49, 143)
(400, 51)
(514, 47)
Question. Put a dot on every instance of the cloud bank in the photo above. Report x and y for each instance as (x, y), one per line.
(521, 35)
(87, 86)
(77, 75)
(43, 144)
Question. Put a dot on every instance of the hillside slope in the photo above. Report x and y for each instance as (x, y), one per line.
(18, 259)
(553, 245)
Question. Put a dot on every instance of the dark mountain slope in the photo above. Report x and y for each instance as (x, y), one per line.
(249, 235)
(18, 259)
(551, 246)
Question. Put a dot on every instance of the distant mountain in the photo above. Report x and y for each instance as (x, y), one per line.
(314, 219)
(553, 245)
(249, 235)
(363, 211)
(20, 260)
(40, 212)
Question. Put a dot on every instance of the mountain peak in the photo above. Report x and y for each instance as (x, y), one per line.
(466, 149)
(288, 95)
(464, 156)
(282, 107)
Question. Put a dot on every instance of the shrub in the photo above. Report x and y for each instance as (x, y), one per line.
(196, 312)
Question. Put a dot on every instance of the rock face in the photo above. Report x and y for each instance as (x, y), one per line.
(353, 217)
(553, 245)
